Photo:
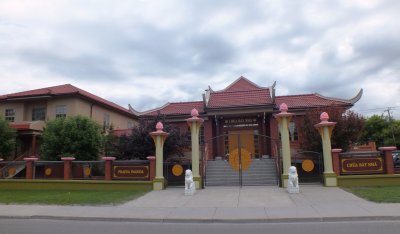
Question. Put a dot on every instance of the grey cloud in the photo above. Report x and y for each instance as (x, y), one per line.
(81, 67)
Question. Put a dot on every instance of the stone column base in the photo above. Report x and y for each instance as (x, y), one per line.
(285, 180)
(330, 180)
(159, 183)
(197, 181)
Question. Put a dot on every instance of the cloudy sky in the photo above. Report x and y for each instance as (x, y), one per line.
(147, 53)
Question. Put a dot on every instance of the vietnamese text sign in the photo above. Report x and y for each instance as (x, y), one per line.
(131, 172)
(362, 165)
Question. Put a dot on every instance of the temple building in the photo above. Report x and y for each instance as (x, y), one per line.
(241, 116)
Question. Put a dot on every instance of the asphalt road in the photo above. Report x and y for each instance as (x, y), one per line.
(41, 226)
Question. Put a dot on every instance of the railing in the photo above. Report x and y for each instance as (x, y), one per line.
(11, 169)
(5, 166)
(78, 170)
(396, 161)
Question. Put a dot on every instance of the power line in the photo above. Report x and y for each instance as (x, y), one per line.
(391, 124)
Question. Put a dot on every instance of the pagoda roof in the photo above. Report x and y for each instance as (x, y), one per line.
(314, 100)
(175, 108)
(241, 92)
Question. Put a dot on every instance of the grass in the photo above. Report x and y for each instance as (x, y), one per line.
(69, 197)
(380, 194)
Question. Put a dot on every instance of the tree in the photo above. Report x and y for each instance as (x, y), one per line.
(7, 138)
(139, 144)
(78, 136)
(381, 130)
(347, 131)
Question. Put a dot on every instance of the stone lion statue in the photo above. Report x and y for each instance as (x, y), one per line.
(293, 183)
(190, 187)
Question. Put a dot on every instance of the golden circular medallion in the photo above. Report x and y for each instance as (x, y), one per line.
(307, 165)
(48, 171)
(87, 171)
(177, 170)
(11, 171)
(234, 159)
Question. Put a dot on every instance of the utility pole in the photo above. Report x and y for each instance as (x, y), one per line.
(391, 125)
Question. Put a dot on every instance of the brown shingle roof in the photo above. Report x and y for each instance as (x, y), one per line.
(66, 89)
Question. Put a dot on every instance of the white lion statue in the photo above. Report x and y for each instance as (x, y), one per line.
(190, 187)
(293, 183)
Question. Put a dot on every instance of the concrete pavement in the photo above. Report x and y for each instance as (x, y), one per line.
(223, 204)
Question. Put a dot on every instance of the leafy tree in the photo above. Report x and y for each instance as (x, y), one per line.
(78, 136)
(139, 144)
(380, 129)
(349, 126)
(7, 138)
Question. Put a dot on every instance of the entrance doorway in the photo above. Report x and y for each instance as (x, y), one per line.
(242, 163)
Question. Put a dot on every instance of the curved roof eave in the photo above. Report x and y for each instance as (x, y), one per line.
(351, 101)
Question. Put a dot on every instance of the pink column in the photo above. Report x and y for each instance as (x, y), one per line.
(152, 167)
(336, 161)
(30, 163)
(388, 158)
(107, 168)
(67, 167)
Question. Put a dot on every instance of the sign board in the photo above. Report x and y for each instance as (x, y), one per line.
(131, 172)
(362, 165)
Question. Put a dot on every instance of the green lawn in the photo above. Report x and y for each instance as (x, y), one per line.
(69, 197)
(381, 194)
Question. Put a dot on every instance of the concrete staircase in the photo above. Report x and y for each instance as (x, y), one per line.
(260, 172)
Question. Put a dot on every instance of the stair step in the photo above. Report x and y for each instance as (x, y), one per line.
(260, 172)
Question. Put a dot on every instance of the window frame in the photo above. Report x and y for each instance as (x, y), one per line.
(36, 113)
(10, 117)
(61, 111)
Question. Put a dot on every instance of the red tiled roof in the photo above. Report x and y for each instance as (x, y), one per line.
(66, 89)
(177, 108)
(308, 100)
(242, 92)
(239, 98)
(241, 84)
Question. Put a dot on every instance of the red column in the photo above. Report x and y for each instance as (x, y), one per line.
(152, 167)
(33, 147)
(336, 161)
(107, 168)
(388, 158)
(68, 167)
(30, 163)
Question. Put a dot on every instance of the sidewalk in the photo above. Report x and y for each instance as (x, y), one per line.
(223, 204)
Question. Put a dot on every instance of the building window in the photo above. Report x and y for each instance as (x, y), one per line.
(106, 121)
(130, 124)
(294, 136)
(61, 111)
(10, 115)
(39, 113)
(202, 134)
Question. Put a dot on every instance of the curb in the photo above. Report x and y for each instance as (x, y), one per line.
(166, 220)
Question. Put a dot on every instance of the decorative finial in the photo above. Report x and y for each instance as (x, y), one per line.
(194, 113)
(283, 107)
(324, 117)
(159, 126)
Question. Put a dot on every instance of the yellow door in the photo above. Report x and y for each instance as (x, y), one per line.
(246, 146)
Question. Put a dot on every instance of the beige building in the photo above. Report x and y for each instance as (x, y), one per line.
(29, 111)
